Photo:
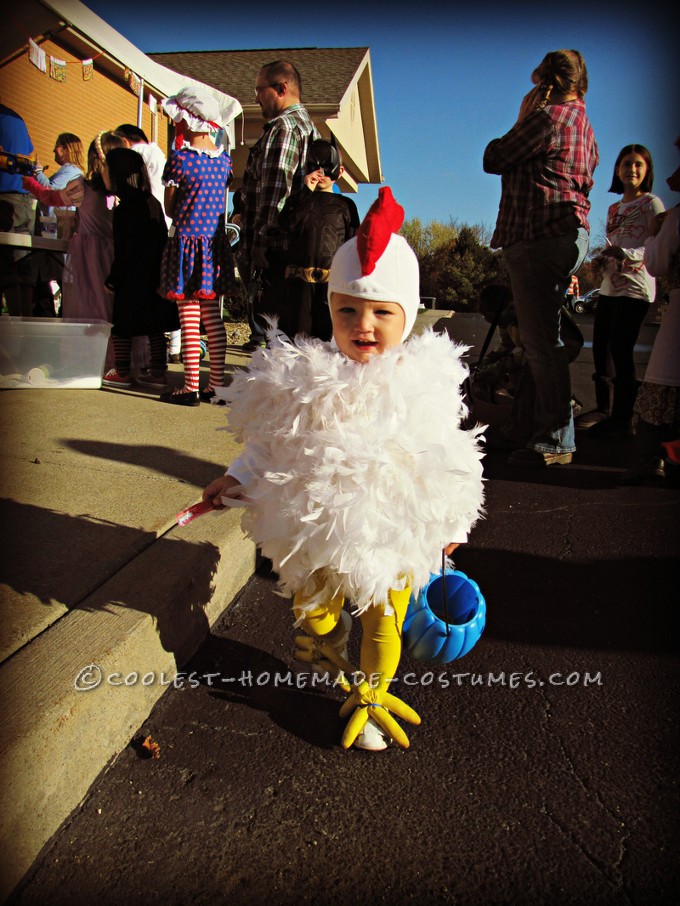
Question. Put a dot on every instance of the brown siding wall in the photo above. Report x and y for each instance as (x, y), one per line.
(85, 108)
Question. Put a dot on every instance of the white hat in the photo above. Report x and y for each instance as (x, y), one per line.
(377, 264)
(196, 107)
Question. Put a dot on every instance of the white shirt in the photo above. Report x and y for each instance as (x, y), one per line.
(155, 164)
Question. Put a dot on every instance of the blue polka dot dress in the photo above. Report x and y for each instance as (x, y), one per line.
(197, 261)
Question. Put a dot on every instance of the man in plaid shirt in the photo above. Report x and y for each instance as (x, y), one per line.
(274, 170)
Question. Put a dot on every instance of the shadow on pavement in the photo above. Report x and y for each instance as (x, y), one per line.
(78, 554)
(161, 459)
(615, 605)
(247, 676)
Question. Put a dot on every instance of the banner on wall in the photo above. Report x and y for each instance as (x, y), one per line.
(37, 55)
(57, 69)
(133, 81)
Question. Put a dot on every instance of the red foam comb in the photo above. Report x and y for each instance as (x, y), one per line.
(384, 217)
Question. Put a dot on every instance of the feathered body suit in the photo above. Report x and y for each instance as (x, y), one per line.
(357, 474)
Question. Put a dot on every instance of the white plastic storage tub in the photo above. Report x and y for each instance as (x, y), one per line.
(45, 353)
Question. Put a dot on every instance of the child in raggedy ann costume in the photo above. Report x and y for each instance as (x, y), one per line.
(356, 473)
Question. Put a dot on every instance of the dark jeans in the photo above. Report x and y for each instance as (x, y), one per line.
(615, 331)
(540, 271)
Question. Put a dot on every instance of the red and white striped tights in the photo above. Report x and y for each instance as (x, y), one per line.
(191, 313)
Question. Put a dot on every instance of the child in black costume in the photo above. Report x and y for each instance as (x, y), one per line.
(139, 235)
(318, 221)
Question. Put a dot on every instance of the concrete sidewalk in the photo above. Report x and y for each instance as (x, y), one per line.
(96, 572)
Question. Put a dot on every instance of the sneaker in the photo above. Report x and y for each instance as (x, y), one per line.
(611, 427)
(113, 379)
(209, 396)
(174, 358)
(497, 440)
(148, 378)
(252, 345)
(585, 420)
(650, 469)
(535, 459)
(181, 398)
(372, 738)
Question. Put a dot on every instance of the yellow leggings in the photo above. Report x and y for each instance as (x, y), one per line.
(381, 633)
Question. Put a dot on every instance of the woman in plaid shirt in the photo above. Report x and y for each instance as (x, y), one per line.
(546, 162)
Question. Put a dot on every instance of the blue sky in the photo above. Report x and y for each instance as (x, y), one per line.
(449, 77)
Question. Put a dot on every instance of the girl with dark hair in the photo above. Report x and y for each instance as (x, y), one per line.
(626, 291)
(139, 235)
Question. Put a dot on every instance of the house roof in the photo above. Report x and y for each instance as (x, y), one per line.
(337, 90)
(327, 72)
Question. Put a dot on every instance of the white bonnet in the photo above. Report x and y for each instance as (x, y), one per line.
(196, 107)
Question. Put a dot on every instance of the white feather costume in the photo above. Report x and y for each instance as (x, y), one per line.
(357, 474)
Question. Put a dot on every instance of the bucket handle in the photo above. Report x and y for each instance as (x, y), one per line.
(445, 609)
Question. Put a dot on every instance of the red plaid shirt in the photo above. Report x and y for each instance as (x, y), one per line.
(546, 162)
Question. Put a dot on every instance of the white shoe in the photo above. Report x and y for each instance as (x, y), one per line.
(372, 738)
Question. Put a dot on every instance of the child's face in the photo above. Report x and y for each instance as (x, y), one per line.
(632, 171)
(363, 329)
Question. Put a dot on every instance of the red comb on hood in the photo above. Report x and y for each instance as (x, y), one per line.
(384, 217)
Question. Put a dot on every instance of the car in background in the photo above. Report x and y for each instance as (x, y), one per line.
(587, 302)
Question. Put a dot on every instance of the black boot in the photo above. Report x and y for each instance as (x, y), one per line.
(620, 420)
(602, 393)
(587, 420)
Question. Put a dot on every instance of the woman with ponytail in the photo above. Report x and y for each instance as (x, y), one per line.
(546, 162)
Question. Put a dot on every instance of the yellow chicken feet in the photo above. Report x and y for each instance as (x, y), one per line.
(374, 703)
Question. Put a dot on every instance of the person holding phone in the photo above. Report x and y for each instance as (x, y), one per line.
(546, 162)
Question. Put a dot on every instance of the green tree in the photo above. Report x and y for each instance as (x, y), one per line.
(455, 261)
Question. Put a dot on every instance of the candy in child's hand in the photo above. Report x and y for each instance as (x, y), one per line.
(193, 512)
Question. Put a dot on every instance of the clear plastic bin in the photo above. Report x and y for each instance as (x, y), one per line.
(46, 353)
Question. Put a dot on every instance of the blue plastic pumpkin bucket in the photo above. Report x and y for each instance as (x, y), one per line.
(442, 627)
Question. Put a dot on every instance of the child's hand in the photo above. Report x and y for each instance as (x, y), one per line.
(226, 486)
(312, 179)
(450, 548)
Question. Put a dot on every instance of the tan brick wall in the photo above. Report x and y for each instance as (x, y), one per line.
(85, 108)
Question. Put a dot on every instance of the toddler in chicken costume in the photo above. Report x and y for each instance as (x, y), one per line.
(356, 473)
